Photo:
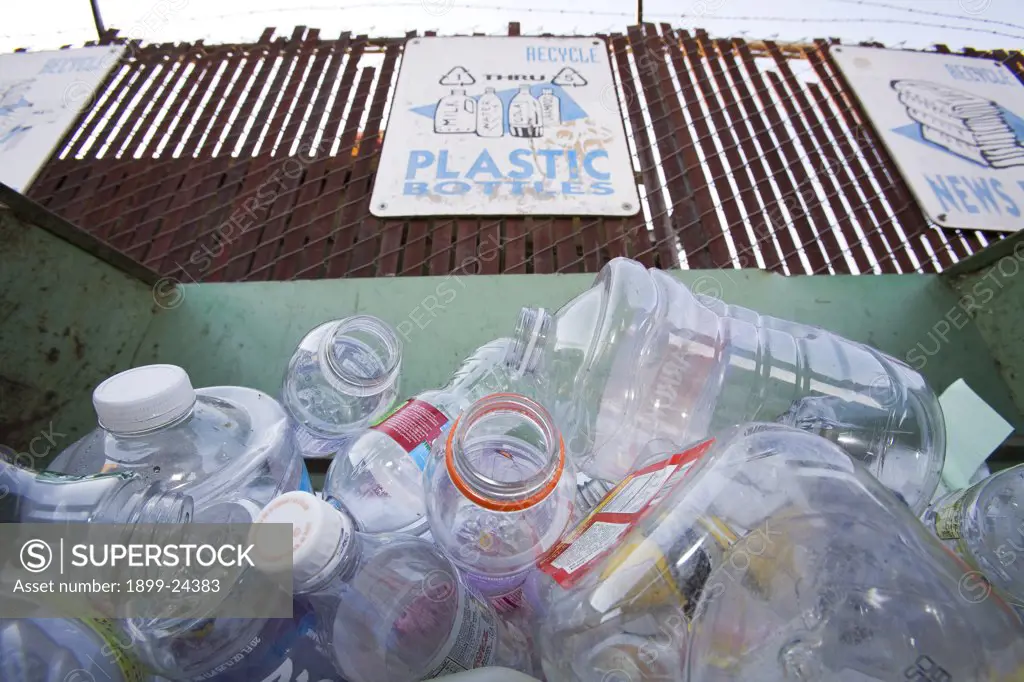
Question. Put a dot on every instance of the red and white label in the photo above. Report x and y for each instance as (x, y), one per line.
(413, 423)
(621, 509)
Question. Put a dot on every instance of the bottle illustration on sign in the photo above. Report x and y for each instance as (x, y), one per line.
(490, 115)
(456, 113)
(550, 107)
(524, 114)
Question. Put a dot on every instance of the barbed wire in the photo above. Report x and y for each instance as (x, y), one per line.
(848, 20)
(928, 12)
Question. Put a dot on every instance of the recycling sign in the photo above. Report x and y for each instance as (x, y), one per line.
(505, 126)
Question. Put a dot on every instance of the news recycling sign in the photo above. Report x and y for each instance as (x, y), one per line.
(505, 126)
(954, 126)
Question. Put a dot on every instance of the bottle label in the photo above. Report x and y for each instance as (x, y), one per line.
(505, 594)
(414, 426)
(473, 638)
(131, 670)
(949, 518)
(621, 509)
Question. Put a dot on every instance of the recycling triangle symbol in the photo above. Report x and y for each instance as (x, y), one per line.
(457, 76)
(569, 76)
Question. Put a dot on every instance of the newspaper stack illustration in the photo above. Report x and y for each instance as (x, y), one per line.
(962, 123)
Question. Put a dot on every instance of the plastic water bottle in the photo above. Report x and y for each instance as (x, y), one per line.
(984, 525)
(232, 649)
(378, 475)
(773, 557)
(392, 607)
(63, 650)
(500, 494)
(44, 497)
(341, 378)
(229, 448)
(638, 356)
(550, 107)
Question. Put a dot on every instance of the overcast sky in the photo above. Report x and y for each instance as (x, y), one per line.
(43, 24)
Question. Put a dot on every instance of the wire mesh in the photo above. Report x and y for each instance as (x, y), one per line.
(255, 162)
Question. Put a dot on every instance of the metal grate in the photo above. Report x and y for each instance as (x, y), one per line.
(255, 162)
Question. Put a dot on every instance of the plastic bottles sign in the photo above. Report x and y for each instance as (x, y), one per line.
(954, 126)
(505, 126)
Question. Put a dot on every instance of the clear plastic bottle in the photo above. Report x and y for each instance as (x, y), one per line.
(455, 113)
(550, 107)
(64, 650)
(378, 475)
(490, 115)
(232, 649)
(342, 377)
(524, 114)
(774, 557)
(44, 497)
(389, 607)
(500, 494)
(229, 448)
(638, 356)
(984, 525)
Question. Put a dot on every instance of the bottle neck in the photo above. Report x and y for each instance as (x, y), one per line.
(528, 341)
(505, 453)
(337, 571)
(360, 356)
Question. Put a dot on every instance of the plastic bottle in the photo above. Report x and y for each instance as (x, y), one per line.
(43, 497)
(455, 113)
(500, 494)
(524, 114)
(64, 650)
(229, 448)
(232, 649)
(389, 607)
(378, 476)
(550, 107)
(773, 557)
(638, 356)
(984, 525)
(342, 377)
(490, 115)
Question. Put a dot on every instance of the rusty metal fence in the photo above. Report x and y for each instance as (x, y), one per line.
(255, 162)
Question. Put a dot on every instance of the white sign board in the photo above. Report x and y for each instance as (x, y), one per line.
(41, 95)
(954, 127)
(505, 126)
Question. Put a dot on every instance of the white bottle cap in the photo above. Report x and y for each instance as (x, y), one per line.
(320, 533)
(143, 398)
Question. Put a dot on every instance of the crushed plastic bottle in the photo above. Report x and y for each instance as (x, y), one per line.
(28, 496)
(773, 556)
(342, 377)
(64, 650)
(232, 649)
(500, 493)
(229, 448)
(389, 607)
(378, 475)
(638, 356)
(984, 525)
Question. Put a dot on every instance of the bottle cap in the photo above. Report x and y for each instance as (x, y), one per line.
(321, 534)
(143, 398)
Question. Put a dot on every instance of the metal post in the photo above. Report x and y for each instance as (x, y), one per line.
(639, 12)
(100, 29)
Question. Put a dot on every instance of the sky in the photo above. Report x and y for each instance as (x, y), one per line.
(982, 24)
